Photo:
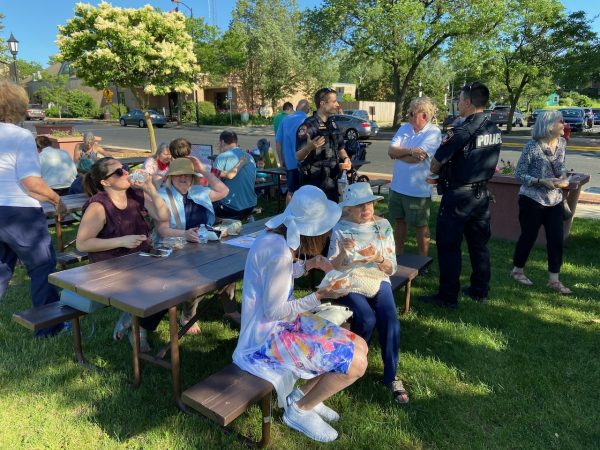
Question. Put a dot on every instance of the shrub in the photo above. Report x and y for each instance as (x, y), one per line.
(52, 112)
(81, 104)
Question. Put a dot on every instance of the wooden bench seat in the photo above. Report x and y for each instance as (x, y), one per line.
(51, 314)
(71, 257)
(225, 395)
(378, 184)
(409, 267)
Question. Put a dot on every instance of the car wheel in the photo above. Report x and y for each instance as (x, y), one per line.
(123, 123)
(141, 123)
(160, 126)
(352, 134)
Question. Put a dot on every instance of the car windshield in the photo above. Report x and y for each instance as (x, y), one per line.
(502, 108)
(571, 112)
(35, 106)
(151, 111)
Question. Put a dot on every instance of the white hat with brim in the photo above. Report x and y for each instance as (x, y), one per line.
(309, 213)
(358, 193)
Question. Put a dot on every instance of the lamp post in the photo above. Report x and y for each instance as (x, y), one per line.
(13, 45)
(177, 3)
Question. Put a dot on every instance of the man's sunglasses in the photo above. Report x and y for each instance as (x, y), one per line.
(119, 172)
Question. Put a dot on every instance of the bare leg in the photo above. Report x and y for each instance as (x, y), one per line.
(400, 232)
(423, 240)
(330, 383)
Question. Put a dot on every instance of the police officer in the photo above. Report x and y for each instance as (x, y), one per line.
(465, 161)
(320, 146)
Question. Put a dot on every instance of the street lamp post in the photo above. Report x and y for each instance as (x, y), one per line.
(13, 45)
(178, 2)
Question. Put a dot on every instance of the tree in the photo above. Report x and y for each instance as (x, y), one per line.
(81, 104)
(28, 68)
(536, 37)
(54, 91)
(143, 49)
(403, 33)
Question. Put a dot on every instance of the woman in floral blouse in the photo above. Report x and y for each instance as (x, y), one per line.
(541, 169)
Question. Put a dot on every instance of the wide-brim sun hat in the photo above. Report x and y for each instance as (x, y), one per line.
(181, 166)
(357, 194)
(309, 213)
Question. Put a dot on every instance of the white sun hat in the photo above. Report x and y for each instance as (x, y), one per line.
(309, 213)
(357, 194)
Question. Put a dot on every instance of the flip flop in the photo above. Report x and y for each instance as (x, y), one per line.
(559, 287)
(400, 394)
(521, 278)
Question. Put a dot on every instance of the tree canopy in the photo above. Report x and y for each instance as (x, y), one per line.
(143, 49)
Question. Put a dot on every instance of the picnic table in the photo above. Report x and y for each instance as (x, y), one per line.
(277, 172)
(144, 285)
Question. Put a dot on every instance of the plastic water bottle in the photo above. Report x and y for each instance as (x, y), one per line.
(203, 234)
(342, 183)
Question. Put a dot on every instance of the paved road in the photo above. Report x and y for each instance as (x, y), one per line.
(586, 161)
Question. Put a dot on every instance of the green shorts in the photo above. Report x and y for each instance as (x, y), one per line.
(414, 210)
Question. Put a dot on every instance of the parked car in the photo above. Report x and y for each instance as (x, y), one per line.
(353, 127)
(596, 112)
(531, 118)
(575, 117)
(499, 116)
(363, 114)
(450, 121)
(35, 111)
(136, 117)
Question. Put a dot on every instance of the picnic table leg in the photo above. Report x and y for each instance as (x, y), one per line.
(407, 298)
(135, 329)
(265, 405)
(175, 363)
(278, 192)
(59, 237)
(77, 341)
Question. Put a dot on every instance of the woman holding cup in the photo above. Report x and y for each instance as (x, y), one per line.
(541, 169)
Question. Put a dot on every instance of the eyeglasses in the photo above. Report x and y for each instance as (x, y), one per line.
(119, 172)
(323, 93)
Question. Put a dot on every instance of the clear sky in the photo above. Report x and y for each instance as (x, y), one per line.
(34, 22)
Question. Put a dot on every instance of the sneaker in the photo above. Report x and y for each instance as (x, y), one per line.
(321, 409)
(475, 297)
(437, 301)
(144, 345)
(122, 326)
(309, 423)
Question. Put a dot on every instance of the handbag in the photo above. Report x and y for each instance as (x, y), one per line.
(333, 313)
(76, 301)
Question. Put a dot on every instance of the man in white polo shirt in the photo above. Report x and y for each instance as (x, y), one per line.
(410, 195)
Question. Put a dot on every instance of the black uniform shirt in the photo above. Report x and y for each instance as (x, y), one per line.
(334, 140)
(470, 152)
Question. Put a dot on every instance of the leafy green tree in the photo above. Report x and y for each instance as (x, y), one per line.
(536, 36)
(81, 104)
(143, 49)
(403, 33)
(28, 68)
(54, 91)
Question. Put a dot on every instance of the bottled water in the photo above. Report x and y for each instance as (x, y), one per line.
(203, 234)
(342, 183)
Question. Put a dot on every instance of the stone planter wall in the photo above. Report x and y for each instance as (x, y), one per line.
(505, 207)
(47, 128)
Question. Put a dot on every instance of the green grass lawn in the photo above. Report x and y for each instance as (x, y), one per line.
(522, 371)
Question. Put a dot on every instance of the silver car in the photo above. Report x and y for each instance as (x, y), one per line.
(353, 127)
(363, 114)
(136, 117)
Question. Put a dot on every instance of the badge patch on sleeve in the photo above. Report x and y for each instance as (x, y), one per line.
(449, 136)
(302, 132)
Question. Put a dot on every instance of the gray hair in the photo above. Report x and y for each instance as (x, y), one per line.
(88, 138)
(544, 123)
(160, 149)
(424, 105)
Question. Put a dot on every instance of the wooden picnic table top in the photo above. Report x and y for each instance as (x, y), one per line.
(144, 285)
(73, 203)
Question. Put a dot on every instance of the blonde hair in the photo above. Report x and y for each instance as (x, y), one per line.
(13, 102)
(424, 105)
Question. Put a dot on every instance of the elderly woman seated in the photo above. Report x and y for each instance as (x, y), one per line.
(363, 244)
(190, 205)
(88, 149)
(158, 166)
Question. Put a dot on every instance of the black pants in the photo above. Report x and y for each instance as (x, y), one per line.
(462, 212)
(532, 216)
(225, 212)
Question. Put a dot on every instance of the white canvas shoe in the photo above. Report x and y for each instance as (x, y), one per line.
(309, 423)
(321, 409)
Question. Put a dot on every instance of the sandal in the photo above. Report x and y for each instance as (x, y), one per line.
(399, 393)
(559, 287)
(122, 326)
(521, 278)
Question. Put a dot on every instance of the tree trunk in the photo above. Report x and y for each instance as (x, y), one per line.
(514, 100)
(400, 92)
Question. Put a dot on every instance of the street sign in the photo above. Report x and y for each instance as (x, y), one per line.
(107, 95)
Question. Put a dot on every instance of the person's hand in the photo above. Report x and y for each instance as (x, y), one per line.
(319, 262)
(147, 185)
(198, 166)
(191, 235)
(419, 153)
(547, 182)
(346, 165)
(315, 143)
(376, 258)
(132, 240)
(61, 208)
(561, 182)
(346, 245)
